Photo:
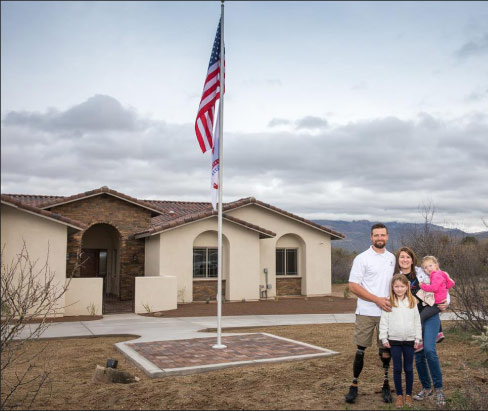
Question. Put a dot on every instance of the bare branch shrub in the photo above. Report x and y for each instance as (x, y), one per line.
(472, 394)
(341, 264)
(29, 295)
(465, 261)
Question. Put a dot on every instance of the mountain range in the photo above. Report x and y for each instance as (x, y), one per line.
(357, 233)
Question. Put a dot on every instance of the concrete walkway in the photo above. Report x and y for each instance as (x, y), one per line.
(153, 328)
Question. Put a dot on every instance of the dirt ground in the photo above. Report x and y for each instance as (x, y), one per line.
(282, 306)
(316, 384)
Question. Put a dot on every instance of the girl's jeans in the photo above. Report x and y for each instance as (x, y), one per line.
(397, 353)
(426, 360)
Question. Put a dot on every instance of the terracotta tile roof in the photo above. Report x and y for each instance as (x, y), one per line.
(170, 212)
(190, 218)
(35, 200)
(51, 201)
(11, 201)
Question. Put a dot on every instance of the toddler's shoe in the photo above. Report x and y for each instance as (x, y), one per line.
(440, 337)
(421, 347)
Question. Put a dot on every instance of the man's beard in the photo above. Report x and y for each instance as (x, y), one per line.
(380, 244)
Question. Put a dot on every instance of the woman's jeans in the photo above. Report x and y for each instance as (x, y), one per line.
(397, 353)
(427, 360)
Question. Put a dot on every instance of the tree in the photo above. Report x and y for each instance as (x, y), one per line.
(341, 264)
(29, 295)
(465, 261)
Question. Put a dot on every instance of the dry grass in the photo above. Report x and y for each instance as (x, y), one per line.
(302, 385)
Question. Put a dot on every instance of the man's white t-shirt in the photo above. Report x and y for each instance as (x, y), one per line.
(373, 271)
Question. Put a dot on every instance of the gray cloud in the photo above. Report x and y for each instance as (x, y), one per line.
(375, 169)
(98, 113)
(311, 122)
(278, 122)
(477, 95)
(473, 47)
(307, 122)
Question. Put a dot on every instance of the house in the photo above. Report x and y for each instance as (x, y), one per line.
(150, 254)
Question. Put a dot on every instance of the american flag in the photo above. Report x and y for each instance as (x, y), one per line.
(211, 93)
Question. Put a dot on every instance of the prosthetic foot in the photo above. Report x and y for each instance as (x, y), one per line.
(385, 357)
(352, 394)
(386, 393)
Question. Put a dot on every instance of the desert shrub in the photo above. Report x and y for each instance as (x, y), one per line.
(472, 395)
(482, 340)
(29, 294)
(341, 264)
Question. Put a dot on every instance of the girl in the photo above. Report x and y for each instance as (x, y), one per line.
(401, 331)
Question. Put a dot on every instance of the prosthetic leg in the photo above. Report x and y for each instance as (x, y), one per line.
(357, 368)
(385, 357)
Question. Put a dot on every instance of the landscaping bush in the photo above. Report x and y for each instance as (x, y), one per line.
(341, 264)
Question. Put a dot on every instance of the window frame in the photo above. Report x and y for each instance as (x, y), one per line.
(285, 250)
(206, 262)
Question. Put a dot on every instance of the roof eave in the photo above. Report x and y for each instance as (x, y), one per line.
(252, 201)
(27, 209)
(231, 219)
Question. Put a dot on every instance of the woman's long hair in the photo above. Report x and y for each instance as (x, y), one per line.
(393, 299)
(410, 253)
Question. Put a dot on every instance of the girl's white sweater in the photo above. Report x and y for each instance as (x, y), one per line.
(402, 323)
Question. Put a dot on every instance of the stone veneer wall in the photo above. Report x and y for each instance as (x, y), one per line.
(203, 289)
(126, 217)
(288, 287)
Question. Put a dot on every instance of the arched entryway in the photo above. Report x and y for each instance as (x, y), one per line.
(100, 246)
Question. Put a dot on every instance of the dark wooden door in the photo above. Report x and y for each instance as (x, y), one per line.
(89, 267)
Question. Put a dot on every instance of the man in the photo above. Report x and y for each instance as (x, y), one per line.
(370, 280)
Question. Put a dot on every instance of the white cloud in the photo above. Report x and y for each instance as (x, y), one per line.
(379, 169)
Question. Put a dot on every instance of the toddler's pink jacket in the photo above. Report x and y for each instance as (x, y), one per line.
(439, 283)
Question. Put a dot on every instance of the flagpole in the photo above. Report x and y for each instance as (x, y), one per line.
(219, 344)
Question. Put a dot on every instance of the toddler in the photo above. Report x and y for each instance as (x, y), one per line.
(440, 282)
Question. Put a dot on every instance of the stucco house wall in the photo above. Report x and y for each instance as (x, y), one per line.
(38, 233)
(151, 256)
(315, 252)
(241, 257)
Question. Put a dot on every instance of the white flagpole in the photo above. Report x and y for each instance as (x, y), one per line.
(219, 344)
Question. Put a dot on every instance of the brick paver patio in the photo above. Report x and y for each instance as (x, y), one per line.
(241, 349)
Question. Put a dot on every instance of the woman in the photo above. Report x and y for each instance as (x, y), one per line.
(426, 361)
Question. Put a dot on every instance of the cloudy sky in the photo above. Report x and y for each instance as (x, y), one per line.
(333, 110)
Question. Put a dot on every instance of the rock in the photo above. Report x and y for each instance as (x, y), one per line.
(110, 375)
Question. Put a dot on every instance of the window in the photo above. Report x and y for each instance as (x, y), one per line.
(205, 263)
(286, 262)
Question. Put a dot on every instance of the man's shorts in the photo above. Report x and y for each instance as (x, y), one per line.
(365, 327)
